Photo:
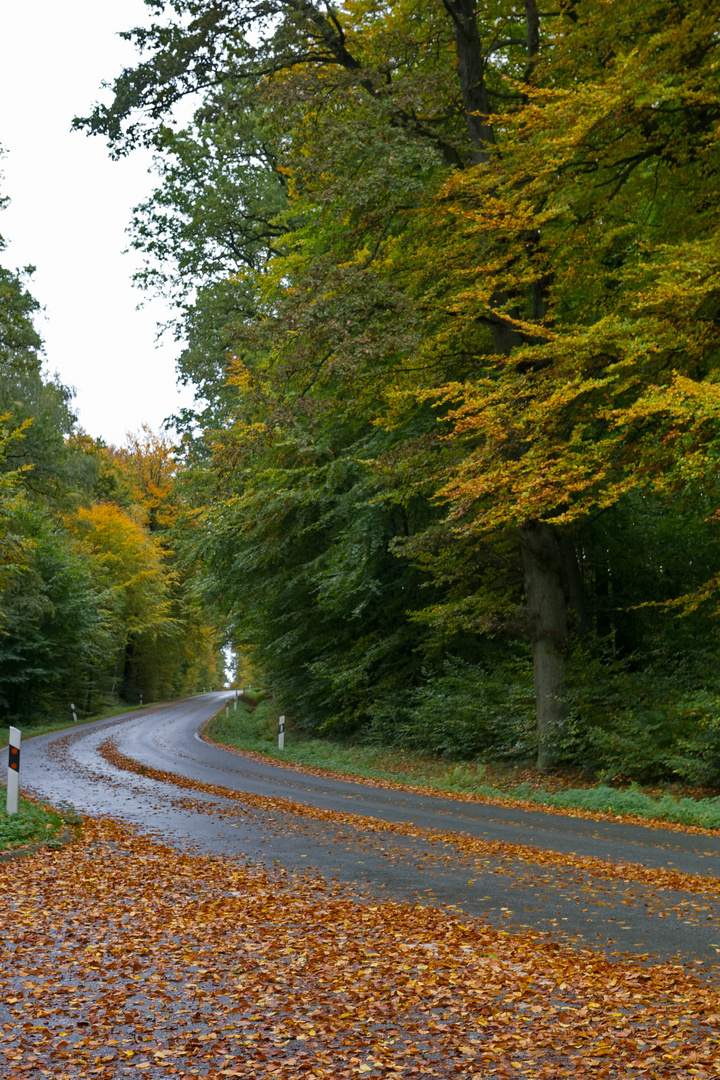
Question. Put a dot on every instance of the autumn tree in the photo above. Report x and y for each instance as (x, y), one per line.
(598, 280)
(472, 266)
(169, 642)
(147, 463)
(328, 554)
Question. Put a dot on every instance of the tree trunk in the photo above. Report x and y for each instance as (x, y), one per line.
(547, 609)
(471, 70)
(575, 586)
(128, 681)
(542, 557)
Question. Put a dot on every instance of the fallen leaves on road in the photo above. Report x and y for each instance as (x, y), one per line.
(128, 958)
(505, 856)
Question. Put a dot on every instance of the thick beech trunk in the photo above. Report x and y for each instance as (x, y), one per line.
(547, 609)
(547, 566)
(471, 70)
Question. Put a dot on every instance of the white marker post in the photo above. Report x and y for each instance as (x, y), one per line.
(235, 702)
(74, 714)
(13, 778)
(281, 734)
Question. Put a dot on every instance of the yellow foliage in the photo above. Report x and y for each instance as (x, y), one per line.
(133, 563)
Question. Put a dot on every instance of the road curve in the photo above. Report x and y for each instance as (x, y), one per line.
(553, 893)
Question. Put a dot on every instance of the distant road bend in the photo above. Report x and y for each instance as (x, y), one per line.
(620, 904)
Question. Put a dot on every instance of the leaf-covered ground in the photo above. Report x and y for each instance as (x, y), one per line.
(124, 957)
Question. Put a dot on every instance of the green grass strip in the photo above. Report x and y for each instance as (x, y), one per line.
(34, 823)
(257, 731)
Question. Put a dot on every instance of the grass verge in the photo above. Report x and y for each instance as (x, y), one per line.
(34, 823)
(32, 730)
(256, 731)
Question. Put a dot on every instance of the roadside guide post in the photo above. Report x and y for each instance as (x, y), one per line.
(13, 779)
(74, 714)
(227, 710)
(281, 734)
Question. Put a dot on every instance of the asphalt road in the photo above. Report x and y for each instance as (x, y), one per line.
(615, 916)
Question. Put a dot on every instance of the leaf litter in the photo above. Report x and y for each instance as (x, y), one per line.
(126, 957)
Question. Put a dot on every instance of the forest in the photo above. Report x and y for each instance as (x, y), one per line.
(98, 604)
(447, 276)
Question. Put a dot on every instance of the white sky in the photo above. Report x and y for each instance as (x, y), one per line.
(70, 207)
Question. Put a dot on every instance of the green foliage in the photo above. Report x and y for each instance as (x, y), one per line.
(57, 621)
(465, 710)
(19, 341)
(315, 554)
(41, 408)
(427, 317)
(648, 721)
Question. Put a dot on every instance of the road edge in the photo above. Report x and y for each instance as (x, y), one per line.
(458, 796)
(56, 844)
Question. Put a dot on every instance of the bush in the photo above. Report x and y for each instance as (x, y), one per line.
(650, 724)
(469, 710)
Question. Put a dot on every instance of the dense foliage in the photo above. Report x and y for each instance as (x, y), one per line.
(449, 281)
(95, 606)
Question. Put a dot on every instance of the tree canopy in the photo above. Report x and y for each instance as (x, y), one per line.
(448, 278)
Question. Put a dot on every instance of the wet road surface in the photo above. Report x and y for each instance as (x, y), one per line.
(433, 860)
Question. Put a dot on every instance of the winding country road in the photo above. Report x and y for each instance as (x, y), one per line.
(597, 884)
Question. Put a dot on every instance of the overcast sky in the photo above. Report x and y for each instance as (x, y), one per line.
(70, 207)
